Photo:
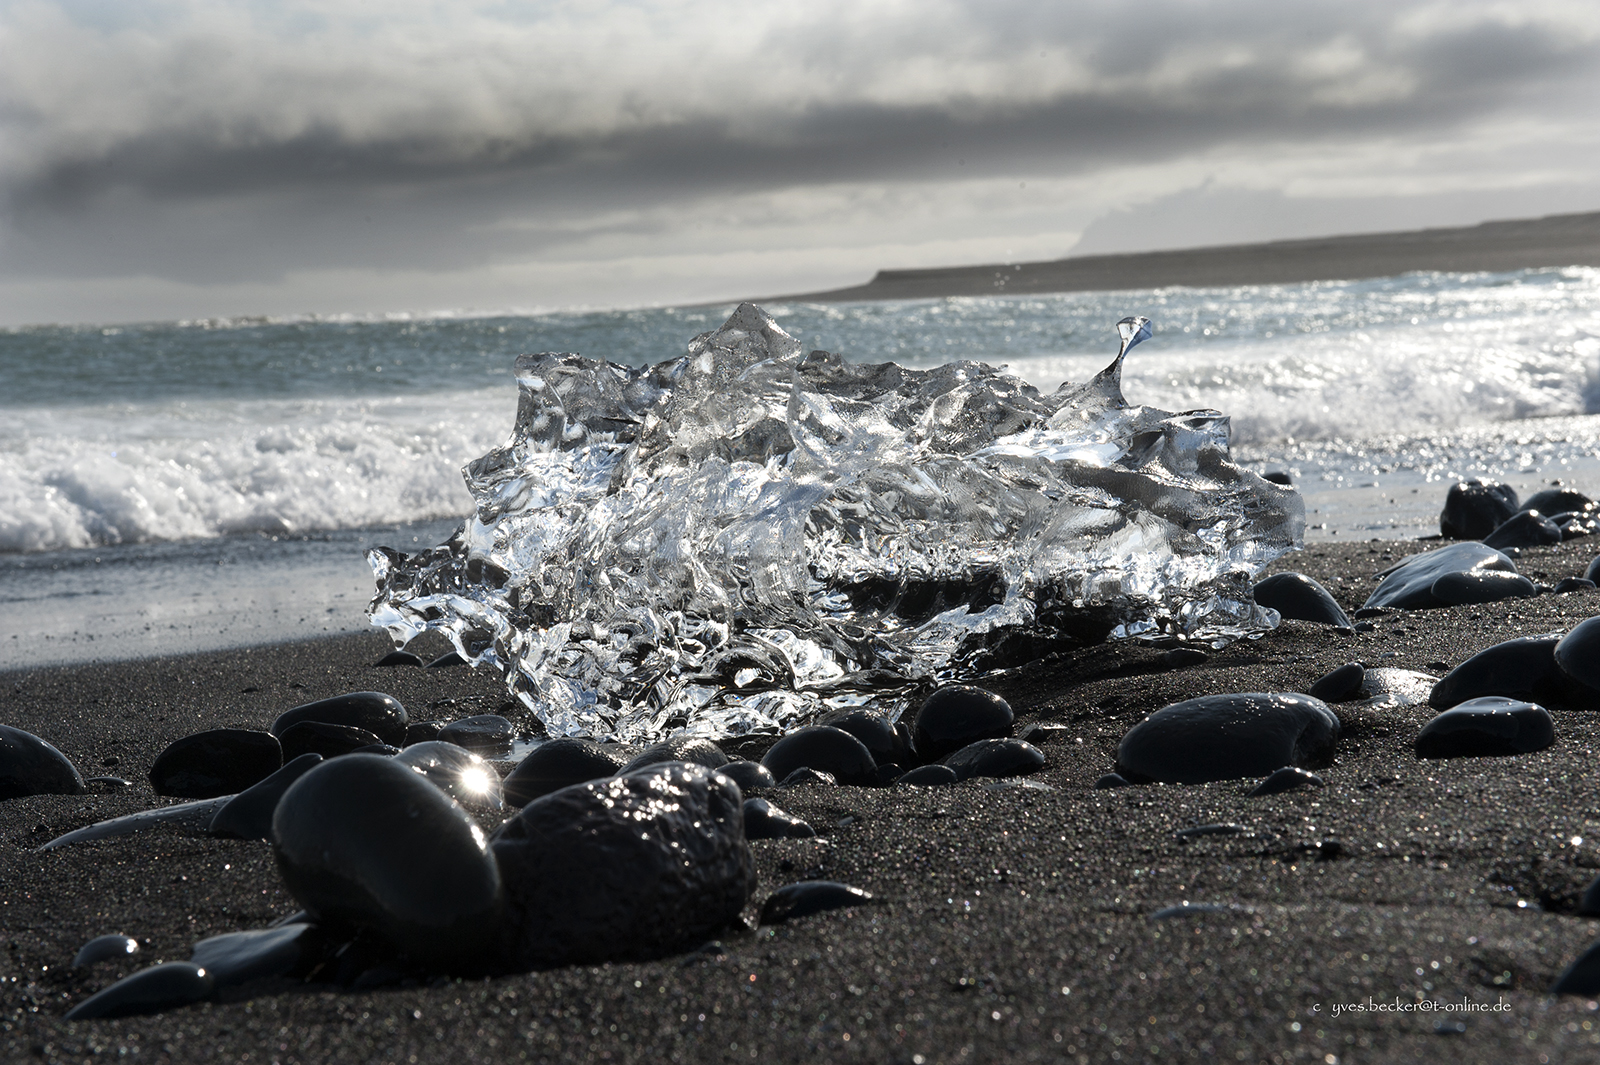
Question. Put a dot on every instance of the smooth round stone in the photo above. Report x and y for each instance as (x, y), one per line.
(793, 901)
(632, 866)
(161, 987)
(805, 776)
(459, 773)
(1589, 903)
(398, 658)
(375, 712)
(558, 764)
(876, 732)
(995, 758)
(1340, 685)
(483, 732)
(693, 750)
(749, 775)
(380, 749)
(30, 766)
(1112, 780)
(105, 948)
(1472, 509)
(328, 740)
(236, 958)
(223, 761)
(956, 715)
(1568, 585)
(446, 661)
(248, 815)
(1557, 501)
(366, 842)
(1408, 584)
(1528, 528)
(1223, 737)
(825, 749)
(1289, 778)
(422, 731)
(1592, 571)
(1523, 669)
(1277, 477)
(1581, 978)
(1482, 586)
(762, 820)
(1184, 657)
(1577, 654)
(1487, 727)
(1297, 597)
(928, 776)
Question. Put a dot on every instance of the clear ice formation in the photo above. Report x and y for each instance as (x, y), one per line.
(737, 539)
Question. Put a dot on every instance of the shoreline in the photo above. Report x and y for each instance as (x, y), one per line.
(988, 902)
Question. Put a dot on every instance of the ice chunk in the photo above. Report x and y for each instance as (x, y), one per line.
(737, 539)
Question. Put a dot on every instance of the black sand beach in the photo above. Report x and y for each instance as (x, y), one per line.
(1010, 924)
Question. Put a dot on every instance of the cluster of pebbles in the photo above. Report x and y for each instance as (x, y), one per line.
(420, 848)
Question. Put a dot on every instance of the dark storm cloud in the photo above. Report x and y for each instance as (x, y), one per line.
(237, 148)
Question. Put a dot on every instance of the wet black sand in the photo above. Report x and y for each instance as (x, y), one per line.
(1012, 925)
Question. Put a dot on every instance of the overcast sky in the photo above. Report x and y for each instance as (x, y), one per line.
(183, 159)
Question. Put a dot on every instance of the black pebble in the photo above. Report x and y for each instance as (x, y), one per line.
(1592, 571)
(749, 774)
(1528, 528)
(1577, 655)
(1486, 727)
(929, 776)
(1568, 585)
(1558, 501)
(826, 749)
(446, 660)
(695, 750)
(995, 758)
(1045, 732)
(1481, 586)
(1472, 510)
(328, 740)
(1112, 780)
(1223, 737)
(382, 750)
(957, 715)
(1277, 477)
(876, 732)
(484, 733)
(560, 763)
(1299, 598)
(1182, 657)
(374, 711)
(261, 953)
(1286, 779)
(1589, 903)
(805, 775)
(762, 820)
(107, 784)
(1341, 685)
(1582, 976)
(422, 732)
(398, 658)
(1408, 584)
(30, 766)
(809, 897)
(248, 815)
(105, 948)
(459, 773)
(1524, 669)
(222, 761)
(161, 987)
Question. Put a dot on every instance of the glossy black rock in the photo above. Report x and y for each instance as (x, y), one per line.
(1582, 977)
(762, 820)
(1481, 586)
(749, 774)
(1524, 669)
(1529, 528)
(824, 748)
(1340, 684)
(1299, 598)
(248, 815)
(956, 715)
(152, 990)
(459, 773)
(1184, 657)
(1577, 655)
(875, 731)
(366, 842)
(398, 658)
(632, 866)
(995, 758)
(375, 712)
(561, 763)
(31, 766)
(1473, 509)
(1222, 737)
(805, 776)
(1486, 727)
(1591, 572)
(222, 761)
(1112, 780)
(1557, 501)
(1289, 778)
(929, 776)
(324, 738)
(793, 901)
(694, 750)
(238, 957)
(114, 947)
(484, 733)
(1408, 584)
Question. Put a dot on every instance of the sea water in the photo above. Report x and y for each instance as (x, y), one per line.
(174, 486)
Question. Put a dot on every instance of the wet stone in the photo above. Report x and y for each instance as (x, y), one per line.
(956, 715)
(1045, 732)
(1589, 902)
(875, 731)
(749, 775)
(1299, 598)
(190, 818)
(1568, 585)
(222, 761)
(1582, 976)
(1592, 571)
(248, 815)
(1340, 685)
(484, 733)
(1523, 669)
(809, 897)
(696, 751)
(1289, 778)
(422, 731)
(459, 773)
(398, 658)
(366, 842)
(633, 866)
(105, 948)
(328, 740)
(1389, 688)
(1223, 737)
(31, 766)
(106, 785)
(995, 758)
(805, 776)
(1482, 586)
(762, 820)
(1577, 655)
(1472, 509)
(1558, 501)
(1526, 529)
(929, 776)
(1486, 727)
(375, 712)
(240, 957)
(447, 660)
(161, 987)
(382, 750)
(1112, 780)
(1184, 657)
(1408, 584)
(825, 749)
(560, 763)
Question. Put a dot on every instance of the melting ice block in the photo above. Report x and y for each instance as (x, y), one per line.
(737, 539)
